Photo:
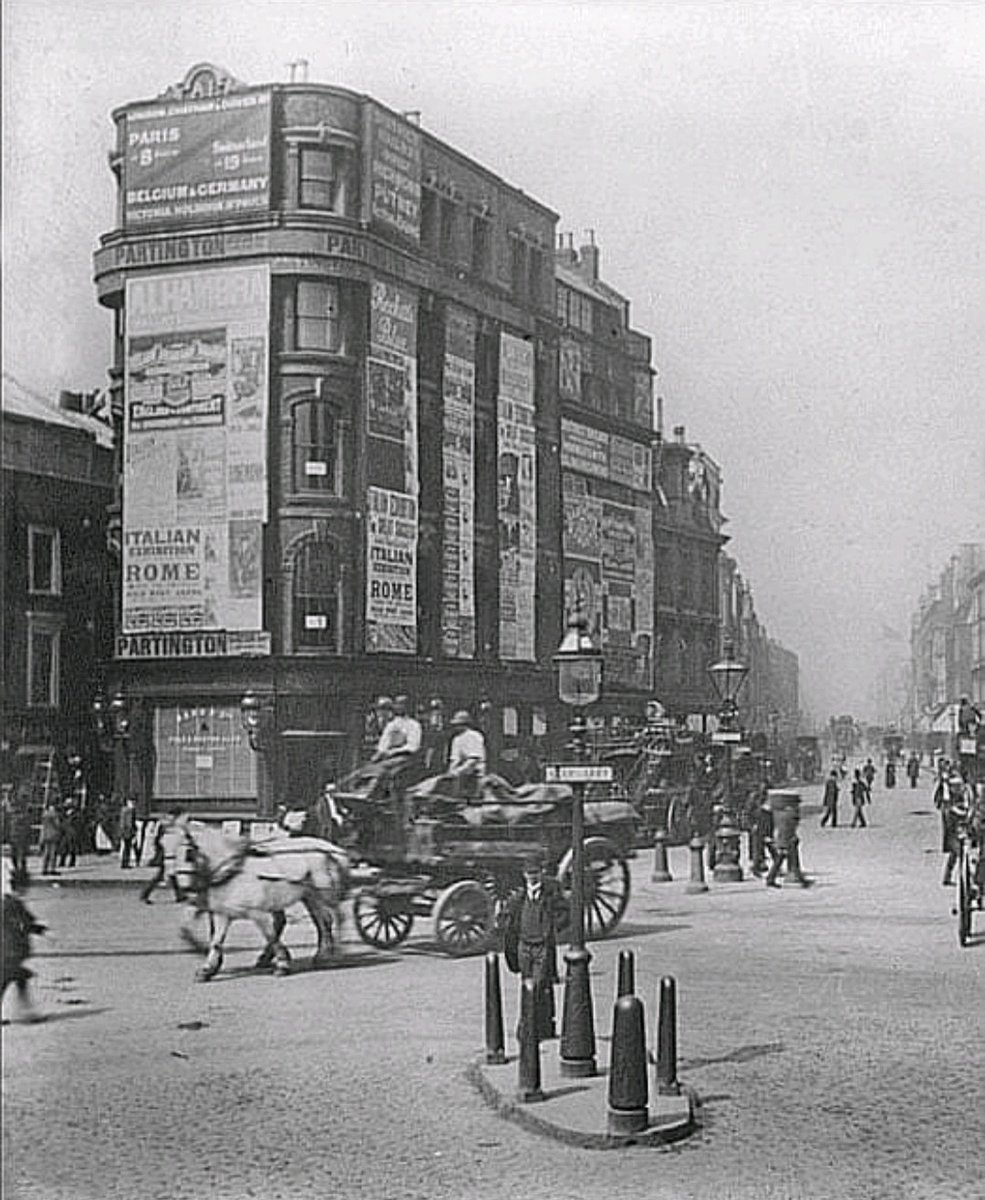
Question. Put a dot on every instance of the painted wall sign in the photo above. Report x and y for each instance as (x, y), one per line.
(197, 160)
(394, 173)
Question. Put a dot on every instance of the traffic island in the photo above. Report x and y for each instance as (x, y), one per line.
(575, 1111)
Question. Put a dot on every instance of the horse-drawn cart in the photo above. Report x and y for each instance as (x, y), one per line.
(437, 855)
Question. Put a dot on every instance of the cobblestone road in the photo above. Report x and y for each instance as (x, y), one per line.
(836, 1035)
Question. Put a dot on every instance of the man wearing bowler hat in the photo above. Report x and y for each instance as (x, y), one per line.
(530, 923)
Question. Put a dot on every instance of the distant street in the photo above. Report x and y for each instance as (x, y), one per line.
(835, 1034)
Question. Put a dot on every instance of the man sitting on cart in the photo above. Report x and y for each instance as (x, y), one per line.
(466, 757)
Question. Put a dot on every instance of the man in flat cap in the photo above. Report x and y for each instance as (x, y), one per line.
(530, 923)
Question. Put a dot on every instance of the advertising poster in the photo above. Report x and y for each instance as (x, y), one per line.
(394, 173)
(643, 398)
(458, 454)
(604, 456)
(391, 416)
(188, 161)
(391, 572)
(195, 477)
(517, 499)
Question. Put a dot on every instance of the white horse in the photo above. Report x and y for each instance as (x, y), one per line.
(232, 878)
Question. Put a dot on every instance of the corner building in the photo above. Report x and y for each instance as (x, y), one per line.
(335, 382)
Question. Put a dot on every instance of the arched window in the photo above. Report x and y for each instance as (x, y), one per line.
(315, 595)
(315, 459)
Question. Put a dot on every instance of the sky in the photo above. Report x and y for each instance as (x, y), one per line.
(791, 196)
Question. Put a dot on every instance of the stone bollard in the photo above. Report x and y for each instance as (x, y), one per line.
(627, 974)
(667, 1084)
(528, 1085)
(697, 881)
(495, 1041)
(627, 1068)
(661, 868)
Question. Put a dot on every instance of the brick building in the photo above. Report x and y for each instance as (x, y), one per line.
(335, 383)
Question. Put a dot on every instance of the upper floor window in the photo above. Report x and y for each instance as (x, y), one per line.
(314, 317)
(44, 561)
(481, 246)
(430, 207)
(320, 179)
(448, 230)
(315, 595)
(315, 446)
(43, 660)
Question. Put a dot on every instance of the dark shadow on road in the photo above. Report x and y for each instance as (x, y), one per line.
(741, 1054)
(50, 1017)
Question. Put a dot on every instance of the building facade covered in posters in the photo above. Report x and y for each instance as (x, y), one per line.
(340, 450)
(605, 389)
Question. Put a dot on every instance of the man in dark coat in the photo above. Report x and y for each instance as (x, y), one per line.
(785, 846)
(913, 769)
(530, 926)
(831, 801)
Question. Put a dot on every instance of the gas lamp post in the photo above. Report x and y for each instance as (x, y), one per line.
(579, 673)
(727, 677)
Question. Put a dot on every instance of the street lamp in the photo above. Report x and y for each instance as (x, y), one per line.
(255, 714)
(727, 676)
(112, 721)
(579, 675)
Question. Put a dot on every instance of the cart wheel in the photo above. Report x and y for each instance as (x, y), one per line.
(463, 918)
(606, 885)
(382, 920)
(964, 901)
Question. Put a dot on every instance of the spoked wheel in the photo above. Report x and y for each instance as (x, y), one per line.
(606, 885)
(464, 918)
(382, 919)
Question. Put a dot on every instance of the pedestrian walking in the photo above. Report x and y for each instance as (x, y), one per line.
(785, 844)
(165, 857)
(127, 831)
(18, 927)
(830, 813)
(71, 828)
(20, 833)
(954, 802)
(530, 922)
(869, 775)
(51, 833)
(913, 770)
(860, 797)
(763, 831)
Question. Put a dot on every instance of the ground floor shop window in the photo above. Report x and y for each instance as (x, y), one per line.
(202, 753)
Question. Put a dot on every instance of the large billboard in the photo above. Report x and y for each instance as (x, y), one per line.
(517, 499)
(458, 457)
(193, 161)
(391, 426)
(607, 544)
(195, 475)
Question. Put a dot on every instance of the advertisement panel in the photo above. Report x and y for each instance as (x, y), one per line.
(194, 161)
(202, 751)
(517, 499)
(391, 572)
(458, 454)
(392, 525)
(605, 456)
(195, 475)
(394, 173)
(569, 373)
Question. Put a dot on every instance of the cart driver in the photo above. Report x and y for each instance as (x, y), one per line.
(466, 756)
(401, 736)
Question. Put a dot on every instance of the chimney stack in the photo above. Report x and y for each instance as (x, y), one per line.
(590, 257)
(679, 431)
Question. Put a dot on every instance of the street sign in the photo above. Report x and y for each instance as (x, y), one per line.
(577, 773)
(726, 737)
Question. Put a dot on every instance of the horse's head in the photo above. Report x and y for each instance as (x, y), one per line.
(206, 854)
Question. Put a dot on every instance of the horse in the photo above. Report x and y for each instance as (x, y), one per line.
(232, 878)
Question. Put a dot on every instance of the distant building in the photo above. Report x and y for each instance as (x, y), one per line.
(687, 536)
(57, 590)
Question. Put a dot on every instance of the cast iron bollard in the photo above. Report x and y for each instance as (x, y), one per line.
(667, 1084)
(627, 1068)
(495, 1041)
(697, 881)
(627, 974)
(661, 868)
(528, 1086)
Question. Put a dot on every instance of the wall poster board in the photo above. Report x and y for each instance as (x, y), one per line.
(517, 499)
(458, 459)
(195, 461)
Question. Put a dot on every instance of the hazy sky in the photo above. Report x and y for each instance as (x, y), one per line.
(791, 195)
